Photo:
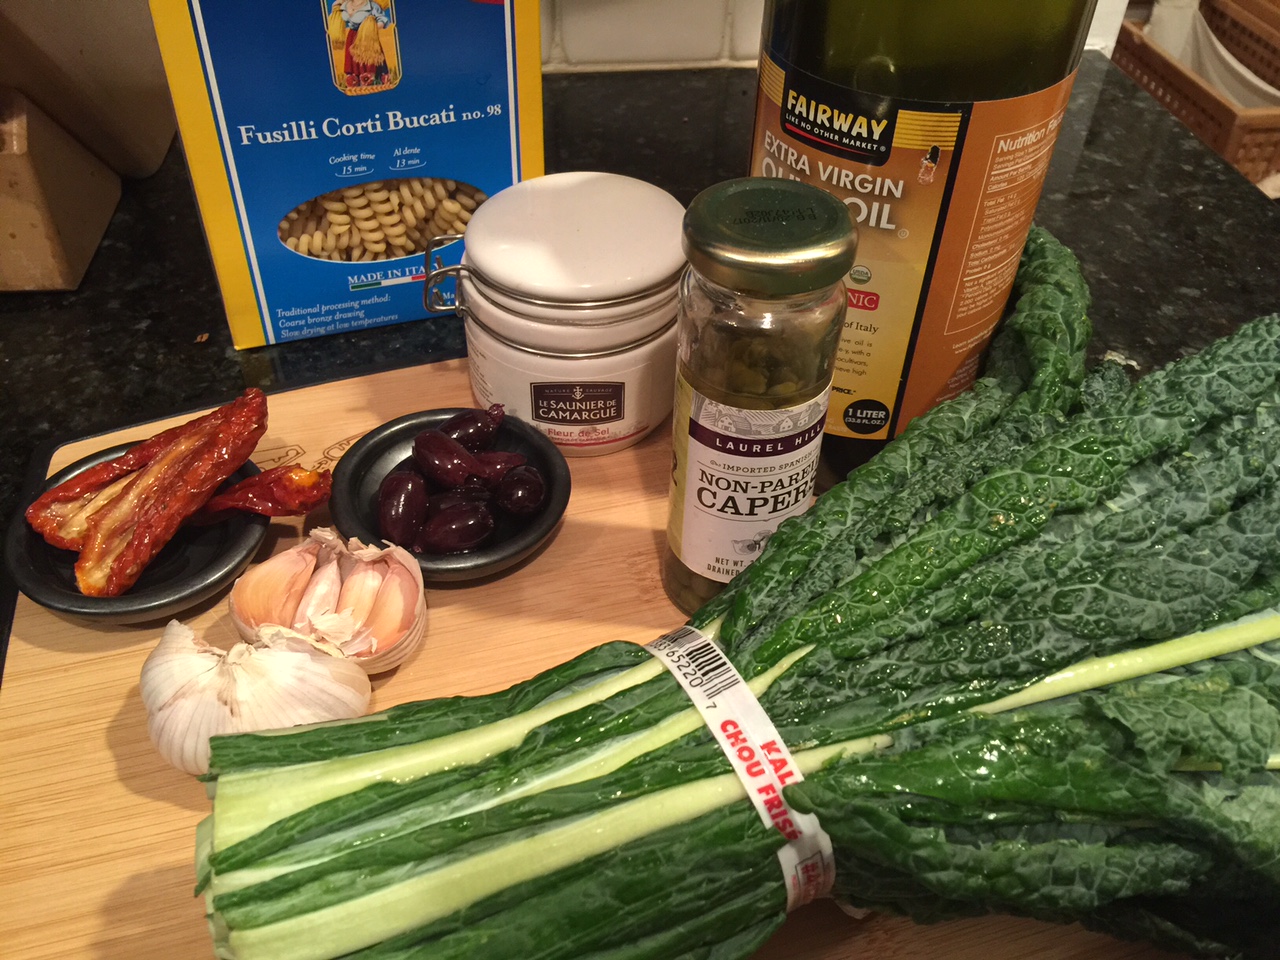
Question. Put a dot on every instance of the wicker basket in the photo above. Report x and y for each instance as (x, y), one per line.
(1246, 137)
(1250, 29)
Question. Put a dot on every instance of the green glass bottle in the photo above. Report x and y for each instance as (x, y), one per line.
(934, 121)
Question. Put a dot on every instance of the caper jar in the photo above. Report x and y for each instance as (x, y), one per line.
(761, 309)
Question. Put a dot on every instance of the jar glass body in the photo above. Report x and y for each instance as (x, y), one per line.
(756, 352)
(753, 364)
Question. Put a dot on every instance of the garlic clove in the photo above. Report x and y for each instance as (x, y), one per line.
(270, 592)
(175, 673)
(387, 657)
(360, 589)
(321, 594)
(193, 691)
(363, 602)
(392, 613)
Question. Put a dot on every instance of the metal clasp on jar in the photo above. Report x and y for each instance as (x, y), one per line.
(432, 298)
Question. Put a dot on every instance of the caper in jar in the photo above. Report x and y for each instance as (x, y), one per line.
(761, 311)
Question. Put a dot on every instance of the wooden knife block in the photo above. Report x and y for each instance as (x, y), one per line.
(56, 199)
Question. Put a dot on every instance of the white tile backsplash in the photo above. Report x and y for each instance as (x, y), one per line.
(547, 24)
(746, 17)
(1105, 27)
(638, 34)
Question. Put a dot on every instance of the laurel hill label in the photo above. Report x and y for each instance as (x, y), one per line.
(578, 403)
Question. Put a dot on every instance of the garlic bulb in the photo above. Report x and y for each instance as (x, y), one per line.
(348, 599)
(193, 690)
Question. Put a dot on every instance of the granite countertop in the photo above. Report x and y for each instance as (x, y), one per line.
(1177, 246)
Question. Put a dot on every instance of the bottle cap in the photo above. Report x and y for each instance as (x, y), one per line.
(769, 237)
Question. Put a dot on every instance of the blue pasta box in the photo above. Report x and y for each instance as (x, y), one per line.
(335, 145)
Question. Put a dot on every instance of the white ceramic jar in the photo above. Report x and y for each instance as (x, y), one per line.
(568, 291)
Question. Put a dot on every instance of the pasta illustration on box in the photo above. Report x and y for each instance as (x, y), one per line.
(330, 151)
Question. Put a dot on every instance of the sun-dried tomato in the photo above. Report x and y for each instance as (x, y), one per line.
(285, 491)
(121, 513)
(61, 514)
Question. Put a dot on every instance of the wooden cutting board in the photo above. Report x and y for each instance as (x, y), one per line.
(96, 831)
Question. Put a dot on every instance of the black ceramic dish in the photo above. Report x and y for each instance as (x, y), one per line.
(357, 476)
(193, 566)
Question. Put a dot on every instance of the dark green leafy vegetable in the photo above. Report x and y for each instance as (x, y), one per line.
(1028, 659)
(1096, 820)
(1035, 367)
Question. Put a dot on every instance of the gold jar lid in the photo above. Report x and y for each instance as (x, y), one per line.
(769, 237)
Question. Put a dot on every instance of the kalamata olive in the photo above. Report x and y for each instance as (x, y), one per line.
(443, 460)
(458, 527)
(521, 491)
(402, 506)
(470, 492)
(475, 488)
(474, 429)
(495, 463)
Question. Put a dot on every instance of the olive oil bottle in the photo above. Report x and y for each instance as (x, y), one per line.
(934, 122)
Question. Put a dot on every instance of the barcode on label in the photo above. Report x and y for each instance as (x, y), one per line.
(713, 668)
(697, 662)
